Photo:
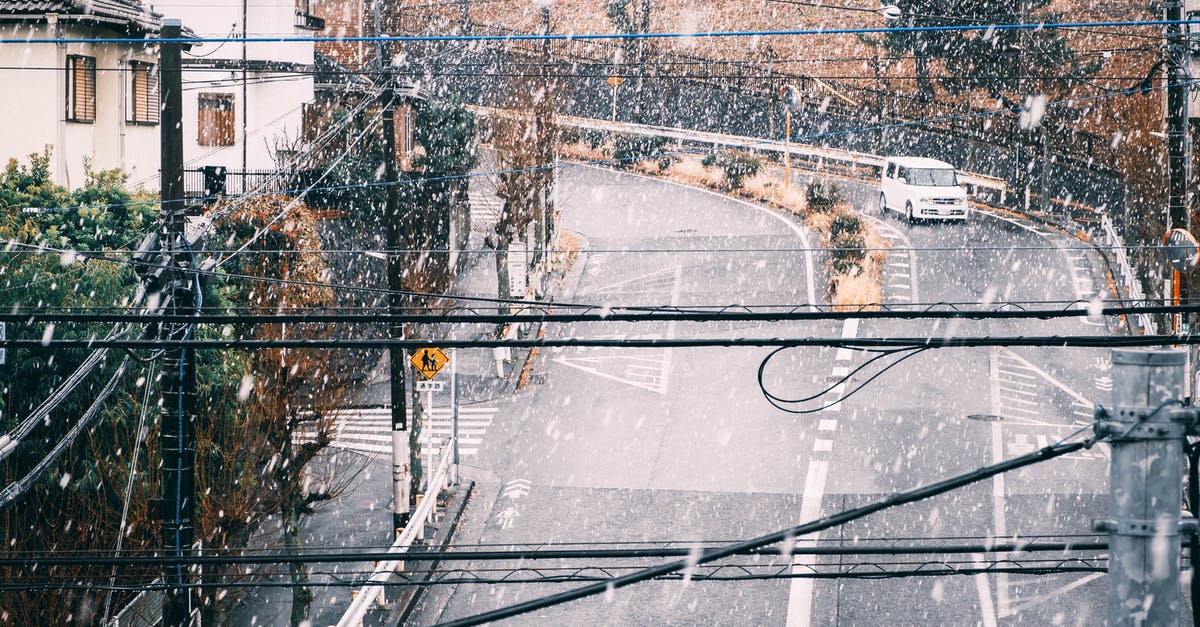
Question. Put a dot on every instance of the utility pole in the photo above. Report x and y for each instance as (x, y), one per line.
(1178, 144)
(397, 364)
(178, 488)
(545, 123)
(1145, 486)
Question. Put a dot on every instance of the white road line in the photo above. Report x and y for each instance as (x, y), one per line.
(907, 254)
(999, 524)
(809, 263)
(827, 425)
(1016, 391)
(823, 445)
(1055, 382)
(800, 590)
(840, 371)
(985, 596)
(1017, 374)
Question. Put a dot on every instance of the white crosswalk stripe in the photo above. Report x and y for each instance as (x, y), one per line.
(369, 431)
(485, 211)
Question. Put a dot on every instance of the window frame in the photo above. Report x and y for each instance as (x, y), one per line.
(151, 105)
(73, 106)
(229, 107)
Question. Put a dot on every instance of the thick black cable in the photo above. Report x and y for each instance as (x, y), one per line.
(601, 314)
(1060, 341)
(835, 520)
(107, 559)
(1193, 496)
(355, 583)
(781, 404)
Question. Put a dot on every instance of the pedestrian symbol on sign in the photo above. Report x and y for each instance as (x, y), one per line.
(429, 361)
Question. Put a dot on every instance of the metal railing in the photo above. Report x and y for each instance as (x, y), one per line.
(1124, 273)
(216, 181)
(425, 514)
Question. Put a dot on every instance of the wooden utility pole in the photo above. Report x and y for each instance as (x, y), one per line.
(177, 436)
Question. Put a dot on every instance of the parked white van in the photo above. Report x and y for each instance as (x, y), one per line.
(922, 189)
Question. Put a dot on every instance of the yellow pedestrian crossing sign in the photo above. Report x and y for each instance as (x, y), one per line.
(429, 361)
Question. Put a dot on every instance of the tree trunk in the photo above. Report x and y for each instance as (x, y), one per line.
(302, 596)
(503, 284)
(924, 84)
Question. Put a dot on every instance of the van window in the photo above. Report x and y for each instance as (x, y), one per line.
(931, 177)
(891, 170)
(902, 173)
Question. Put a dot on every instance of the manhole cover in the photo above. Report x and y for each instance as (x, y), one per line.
(985, 417)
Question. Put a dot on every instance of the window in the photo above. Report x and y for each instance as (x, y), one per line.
(81, 88)
(143, 93)
(216, 120)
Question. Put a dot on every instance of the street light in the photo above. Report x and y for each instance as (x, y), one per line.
(888, 11)
(792, 102)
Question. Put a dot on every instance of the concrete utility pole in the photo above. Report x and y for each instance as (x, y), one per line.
(1145, 487)
(1178, 144)
(177, 435)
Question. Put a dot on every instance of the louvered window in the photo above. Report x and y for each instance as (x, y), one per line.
(81, 88)
(143, 93)
(216, 120)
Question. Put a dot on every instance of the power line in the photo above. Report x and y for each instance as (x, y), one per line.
(458, 554)
(1059, 341)
(552, 37)
(608, 314)
(786, 535)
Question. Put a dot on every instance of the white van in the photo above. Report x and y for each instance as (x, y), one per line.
(922, 189)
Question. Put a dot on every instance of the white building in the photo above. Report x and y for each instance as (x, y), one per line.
(243, 101)
(94, 102)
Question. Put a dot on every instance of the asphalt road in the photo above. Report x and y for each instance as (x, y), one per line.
(680, 445)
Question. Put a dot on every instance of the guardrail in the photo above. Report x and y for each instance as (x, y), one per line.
(818, 153)
(415, 530)
(1124, 273)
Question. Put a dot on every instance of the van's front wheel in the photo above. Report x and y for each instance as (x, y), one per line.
(908, 211)
(882, 205)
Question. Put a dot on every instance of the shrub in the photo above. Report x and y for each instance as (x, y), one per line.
(848, 252)
(629, 149)
(709, 160)
(739, 166)
(845, 224)
(595, 138)
(571, 135)
(822, 197)
(666, 161)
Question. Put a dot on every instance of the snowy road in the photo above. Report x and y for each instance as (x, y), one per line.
(655, 445)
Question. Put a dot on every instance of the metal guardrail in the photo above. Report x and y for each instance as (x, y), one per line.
(1124, 274)
(836, 155)
(423, 515)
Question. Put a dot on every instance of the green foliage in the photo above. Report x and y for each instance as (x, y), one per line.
(666, 161)
(821, 197)
(738, 166)
(709, 160)
(595, 138)
(848, 250)
(845, 224)
(992, 61)
(629, 149)
(446, 130)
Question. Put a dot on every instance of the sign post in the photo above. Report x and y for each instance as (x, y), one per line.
(615, 81)
(429, 361)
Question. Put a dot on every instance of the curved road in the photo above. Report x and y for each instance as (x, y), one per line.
(652, 445)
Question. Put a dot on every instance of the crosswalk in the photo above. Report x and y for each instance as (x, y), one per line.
(1025, 398)
(485, 212)
(369, 431)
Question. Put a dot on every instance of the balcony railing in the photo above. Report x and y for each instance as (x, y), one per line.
(305, 18)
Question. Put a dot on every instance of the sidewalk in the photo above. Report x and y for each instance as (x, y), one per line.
(361, 515)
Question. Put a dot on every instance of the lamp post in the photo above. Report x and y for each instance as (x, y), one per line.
(792, 101)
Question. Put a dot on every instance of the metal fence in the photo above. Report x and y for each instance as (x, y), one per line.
(214, 181)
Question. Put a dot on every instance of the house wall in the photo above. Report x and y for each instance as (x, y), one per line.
(275, 99)
(344, 18)
(33, 113)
